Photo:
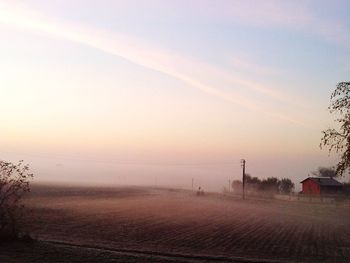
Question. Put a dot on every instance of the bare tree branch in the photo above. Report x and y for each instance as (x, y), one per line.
(338, 140)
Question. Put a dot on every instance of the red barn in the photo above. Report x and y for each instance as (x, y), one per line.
(321, 186)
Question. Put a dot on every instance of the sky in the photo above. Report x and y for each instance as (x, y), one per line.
(160, 92)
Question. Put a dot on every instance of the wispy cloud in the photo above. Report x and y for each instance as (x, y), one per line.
(292, 15)
(252, 67)
(149, 55)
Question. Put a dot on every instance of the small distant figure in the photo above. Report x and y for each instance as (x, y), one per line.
(200, 191)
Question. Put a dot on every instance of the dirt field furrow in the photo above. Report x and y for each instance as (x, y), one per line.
(180, 222)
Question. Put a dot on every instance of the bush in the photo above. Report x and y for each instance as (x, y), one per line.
(286, 186)
(14, 183)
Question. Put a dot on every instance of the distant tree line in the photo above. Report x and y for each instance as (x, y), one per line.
(270, 184)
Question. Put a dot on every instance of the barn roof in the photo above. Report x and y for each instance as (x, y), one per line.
(324, 181)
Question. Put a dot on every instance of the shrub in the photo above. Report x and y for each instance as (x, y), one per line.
(14, 183)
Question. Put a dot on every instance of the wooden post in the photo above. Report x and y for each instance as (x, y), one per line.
(243, 178)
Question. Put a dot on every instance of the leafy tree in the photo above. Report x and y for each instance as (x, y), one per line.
(338, 140)
(286, 186)
(14, 183)
(325, 172)
(270, 184)
(252, 183)
(252, 180)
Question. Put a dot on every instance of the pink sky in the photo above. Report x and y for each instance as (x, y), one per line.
(156, 90)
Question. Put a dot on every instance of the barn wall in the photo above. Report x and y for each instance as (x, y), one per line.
(330, 189)
(311, 187)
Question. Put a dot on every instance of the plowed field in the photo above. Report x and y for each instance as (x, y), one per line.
(181, 223)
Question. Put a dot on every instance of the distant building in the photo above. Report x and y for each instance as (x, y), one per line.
(321, 186)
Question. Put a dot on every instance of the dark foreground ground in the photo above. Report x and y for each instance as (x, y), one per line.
(44, 252)
(160, 225)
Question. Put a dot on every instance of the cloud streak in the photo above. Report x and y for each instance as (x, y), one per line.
(140, 52)
(293, 15)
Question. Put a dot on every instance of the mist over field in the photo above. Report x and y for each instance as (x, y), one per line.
(174, 131)
(213, 174)
(177, 224)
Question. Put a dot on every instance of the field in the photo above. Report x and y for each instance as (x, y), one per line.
(179, 226)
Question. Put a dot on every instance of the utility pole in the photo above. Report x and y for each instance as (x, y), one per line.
(192, 184)
(243, 178)
(229, 185)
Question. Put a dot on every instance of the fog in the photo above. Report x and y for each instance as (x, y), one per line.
(210, 174)
(180, 222)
